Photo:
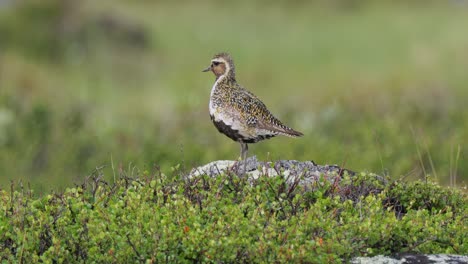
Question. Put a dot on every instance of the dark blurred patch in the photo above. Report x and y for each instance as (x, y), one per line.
(124, 31)
(49, 29)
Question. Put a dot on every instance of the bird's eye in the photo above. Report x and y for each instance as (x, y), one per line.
(216, 63)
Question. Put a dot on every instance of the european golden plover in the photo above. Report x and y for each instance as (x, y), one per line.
(238, 113)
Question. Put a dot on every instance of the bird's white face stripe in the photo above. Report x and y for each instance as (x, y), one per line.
(221, 60)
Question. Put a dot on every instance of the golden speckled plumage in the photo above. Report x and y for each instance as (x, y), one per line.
(238, 113)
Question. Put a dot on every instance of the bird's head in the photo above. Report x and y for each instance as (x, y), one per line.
(221, 64)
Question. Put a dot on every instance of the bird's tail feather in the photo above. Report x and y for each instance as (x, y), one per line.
(280, 129)
(289, 132)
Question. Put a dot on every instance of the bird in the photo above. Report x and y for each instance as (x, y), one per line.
(238, 113)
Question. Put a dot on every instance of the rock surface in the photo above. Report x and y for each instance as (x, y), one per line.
(306, 174)
(308, 170)
(413, 259)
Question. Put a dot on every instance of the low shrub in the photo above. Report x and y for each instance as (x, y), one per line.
(172, 218)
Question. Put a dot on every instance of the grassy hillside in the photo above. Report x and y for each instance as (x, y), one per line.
(376, 86)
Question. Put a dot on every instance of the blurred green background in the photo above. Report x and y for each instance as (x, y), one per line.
(380, 86)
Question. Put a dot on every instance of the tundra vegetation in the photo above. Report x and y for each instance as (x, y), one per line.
(152, 217)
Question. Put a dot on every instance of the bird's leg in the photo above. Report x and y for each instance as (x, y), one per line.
(244, 149)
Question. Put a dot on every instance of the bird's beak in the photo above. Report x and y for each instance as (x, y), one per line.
(207, 69)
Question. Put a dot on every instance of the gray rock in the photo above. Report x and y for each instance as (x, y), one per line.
(309, 171)
(412, 259)
(305, 174)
